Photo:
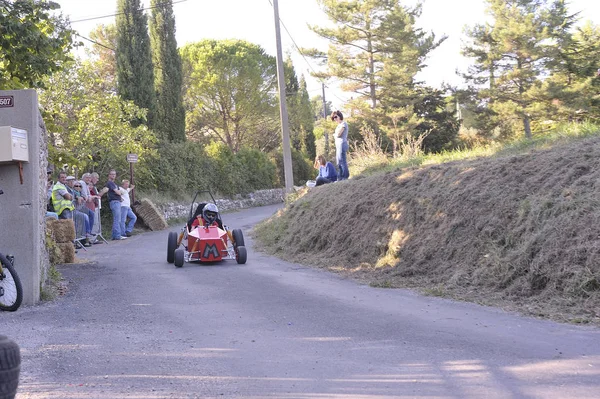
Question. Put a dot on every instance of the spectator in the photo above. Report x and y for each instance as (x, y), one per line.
(341, 145)
(49, 208)
(126, 211)
(327, 172)
(114, 200)
(74, 188)
(62, 200)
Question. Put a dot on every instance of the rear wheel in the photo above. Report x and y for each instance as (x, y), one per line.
(238, 238)
(10, 366)
(11, 290)
(179, 254)
(240, 255)
(171, 246)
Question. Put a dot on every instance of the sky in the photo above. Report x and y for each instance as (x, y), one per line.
(253, 20)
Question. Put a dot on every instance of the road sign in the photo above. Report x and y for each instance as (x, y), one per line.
(132, 158)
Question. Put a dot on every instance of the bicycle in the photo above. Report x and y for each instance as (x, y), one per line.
(11, 290)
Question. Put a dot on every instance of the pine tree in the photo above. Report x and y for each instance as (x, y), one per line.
(170, 115)
(517, 49)
(370, 34)
(135, 75)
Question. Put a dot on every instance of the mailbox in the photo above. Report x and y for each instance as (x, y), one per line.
(14, 146)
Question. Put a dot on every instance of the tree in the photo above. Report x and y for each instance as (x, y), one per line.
(89, 128)
(135, 75)
(370, 37)
(33, 42)
(104, 53)
(168, 83)
(521, 45)
(228, 96)
(301, 120)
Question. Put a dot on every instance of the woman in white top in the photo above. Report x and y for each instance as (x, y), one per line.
(341, 144)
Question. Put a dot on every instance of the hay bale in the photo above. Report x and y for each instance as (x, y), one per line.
(151, 215)
(67, 252)
(62, 230)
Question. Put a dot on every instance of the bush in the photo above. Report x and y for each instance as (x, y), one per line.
(302, 168)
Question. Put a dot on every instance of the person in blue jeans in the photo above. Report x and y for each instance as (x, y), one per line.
(327, 173)
(341, 145)
(114, 201)
(126, 212)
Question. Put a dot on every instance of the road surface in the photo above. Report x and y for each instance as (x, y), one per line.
(133, 326)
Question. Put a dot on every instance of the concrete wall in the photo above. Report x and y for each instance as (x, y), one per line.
(22, 206)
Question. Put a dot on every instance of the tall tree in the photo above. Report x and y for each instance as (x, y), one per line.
(522, 43)
(135, 75)
(170, 115)
(229, 96)
(368, 35)
(104, 53)
(34, 42)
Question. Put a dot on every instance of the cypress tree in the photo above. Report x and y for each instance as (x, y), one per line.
(135, 75)
(170, 114)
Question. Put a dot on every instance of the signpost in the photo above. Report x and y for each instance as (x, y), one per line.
(132, 158)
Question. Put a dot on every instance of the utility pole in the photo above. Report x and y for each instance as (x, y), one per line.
(325, 135)
(285, 129)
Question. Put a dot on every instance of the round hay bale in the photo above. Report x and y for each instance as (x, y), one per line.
(62, 230)
(67, 252)
(151, 215)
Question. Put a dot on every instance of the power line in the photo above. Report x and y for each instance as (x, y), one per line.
(95, 42)
(120, 13)
(304, 57)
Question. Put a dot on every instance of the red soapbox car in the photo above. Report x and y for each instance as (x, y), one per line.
(205, 242)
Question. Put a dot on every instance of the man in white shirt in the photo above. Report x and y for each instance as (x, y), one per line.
(126, 211)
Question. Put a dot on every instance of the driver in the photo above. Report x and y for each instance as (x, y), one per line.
(210, 217)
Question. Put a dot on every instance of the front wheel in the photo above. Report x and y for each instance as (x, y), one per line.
(171, 246)
(179, 257)
(11, 290)
(238, 238)
(241, 255)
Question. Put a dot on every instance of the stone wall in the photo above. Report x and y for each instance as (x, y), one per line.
(258, 198)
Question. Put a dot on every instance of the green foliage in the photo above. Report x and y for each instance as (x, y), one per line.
(34, 42)
(90, 129)
(135, 73)
(168, 80)
(302, 168)
(512, 54)
(229, 87)
(183, 168)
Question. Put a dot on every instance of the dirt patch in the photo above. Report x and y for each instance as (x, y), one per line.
(520, 232)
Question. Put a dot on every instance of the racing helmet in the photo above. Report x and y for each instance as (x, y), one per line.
(210, 213)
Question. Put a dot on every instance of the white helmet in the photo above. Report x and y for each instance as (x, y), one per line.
(210, 213)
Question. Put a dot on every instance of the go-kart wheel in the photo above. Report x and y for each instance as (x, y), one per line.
(240, 254)
(171, 246)
(178, 258)
(238, 238)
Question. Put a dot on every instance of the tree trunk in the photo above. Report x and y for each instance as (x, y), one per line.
(527, 127)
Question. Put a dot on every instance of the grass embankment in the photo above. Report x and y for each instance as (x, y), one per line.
(517, 227)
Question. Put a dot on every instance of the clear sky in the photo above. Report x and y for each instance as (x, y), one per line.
(253, 20)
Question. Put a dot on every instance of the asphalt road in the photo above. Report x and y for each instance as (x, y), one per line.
(133, 326)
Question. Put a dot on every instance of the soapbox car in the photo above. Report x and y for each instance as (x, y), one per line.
(205, 241)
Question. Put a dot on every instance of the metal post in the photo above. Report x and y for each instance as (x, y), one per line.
(131, 183)
(285, 130)
(325, 135)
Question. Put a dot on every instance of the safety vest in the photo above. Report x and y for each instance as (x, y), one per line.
(58, 202)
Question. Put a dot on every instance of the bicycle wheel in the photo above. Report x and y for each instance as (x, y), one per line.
(11, 290)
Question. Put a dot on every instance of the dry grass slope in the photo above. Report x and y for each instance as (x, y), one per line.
(520, 232)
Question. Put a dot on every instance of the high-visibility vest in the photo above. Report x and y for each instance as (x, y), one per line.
(58, 201)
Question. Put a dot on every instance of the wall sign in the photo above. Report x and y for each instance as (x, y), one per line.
(7, 101)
